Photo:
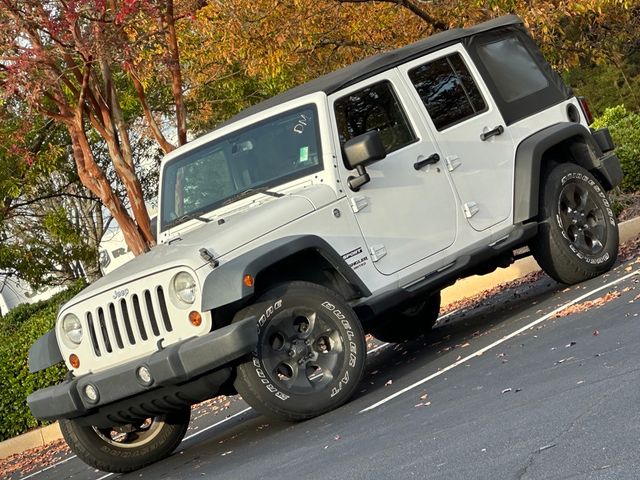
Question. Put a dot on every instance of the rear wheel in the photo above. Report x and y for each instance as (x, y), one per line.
(408, 322)
(310, 355)
(125, 448)
(578, 234)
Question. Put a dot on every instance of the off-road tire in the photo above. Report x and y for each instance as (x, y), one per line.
(407, 322)
(95, 450)
(304, 330)
(578, 233)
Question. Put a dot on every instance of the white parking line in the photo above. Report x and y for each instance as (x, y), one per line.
(379, 347)
(197, 433)
(184, 439)
(216, 424)
(498, 342)
(110, 474)
(49, 467)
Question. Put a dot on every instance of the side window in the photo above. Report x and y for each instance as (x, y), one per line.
(374, 108)
(512, 68)
(447, 90)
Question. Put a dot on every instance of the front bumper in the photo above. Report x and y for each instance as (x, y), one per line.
(170, 368)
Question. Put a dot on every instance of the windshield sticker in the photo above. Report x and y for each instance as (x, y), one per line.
(356, 258)
(304, 154)
(302, 122)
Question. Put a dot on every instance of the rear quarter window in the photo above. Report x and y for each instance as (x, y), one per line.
(512, 69)
(520, 80)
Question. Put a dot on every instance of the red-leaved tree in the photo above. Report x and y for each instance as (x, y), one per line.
(74, 61)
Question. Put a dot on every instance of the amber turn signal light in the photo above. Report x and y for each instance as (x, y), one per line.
(74, 360)
(195, 318)
(248, 280)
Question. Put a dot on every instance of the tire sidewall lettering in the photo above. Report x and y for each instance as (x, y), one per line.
(580, 177)
(341, 322)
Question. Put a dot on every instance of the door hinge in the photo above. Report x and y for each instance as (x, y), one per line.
(377, 252)
(470, 209)
(453, 162)
(358, 203)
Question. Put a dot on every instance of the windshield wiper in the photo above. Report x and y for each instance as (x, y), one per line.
(251, 191)
(186, 217)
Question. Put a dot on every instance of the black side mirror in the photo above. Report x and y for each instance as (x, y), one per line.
(361, 151)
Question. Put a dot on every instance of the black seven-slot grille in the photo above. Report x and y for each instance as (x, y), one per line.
(128, 321)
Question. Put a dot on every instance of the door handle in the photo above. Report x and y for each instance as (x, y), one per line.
(430, 160)
(499, 130)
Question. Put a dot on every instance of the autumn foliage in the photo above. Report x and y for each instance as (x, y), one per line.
(168, 69)
(67, 62)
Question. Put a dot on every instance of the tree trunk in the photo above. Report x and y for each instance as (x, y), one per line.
(119, 146)
(176, 73)
(94, 179)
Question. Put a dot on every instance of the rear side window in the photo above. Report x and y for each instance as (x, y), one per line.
(374, 108)
(512, 68)
(447, 90)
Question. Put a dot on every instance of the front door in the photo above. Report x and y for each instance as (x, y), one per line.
(405, 213)
(470, 131)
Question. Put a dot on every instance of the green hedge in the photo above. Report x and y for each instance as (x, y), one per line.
(624, 126)
(18, 330)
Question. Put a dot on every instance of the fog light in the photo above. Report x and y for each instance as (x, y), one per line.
(144, 375)
(195, 318)
(74, 361)
(91, 393)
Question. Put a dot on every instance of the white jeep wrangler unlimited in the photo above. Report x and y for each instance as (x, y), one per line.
(340, 207)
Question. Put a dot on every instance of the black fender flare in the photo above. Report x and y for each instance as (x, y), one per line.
(224, 283)
(44, 352)
(528, 163)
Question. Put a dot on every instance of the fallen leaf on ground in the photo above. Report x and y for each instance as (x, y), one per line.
(588, 305)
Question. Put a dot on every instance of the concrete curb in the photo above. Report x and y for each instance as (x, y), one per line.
(466, 287)
(29, 440)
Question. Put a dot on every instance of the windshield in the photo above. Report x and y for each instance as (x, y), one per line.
(266, 154)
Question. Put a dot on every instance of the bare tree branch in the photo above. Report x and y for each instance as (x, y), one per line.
(438, 25)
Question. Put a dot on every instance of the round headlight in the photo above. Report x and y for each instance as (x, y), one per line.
(184, 286)
(72, 328)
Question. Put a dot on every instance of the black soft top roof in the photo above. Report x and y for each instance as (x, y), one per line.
(334, 81)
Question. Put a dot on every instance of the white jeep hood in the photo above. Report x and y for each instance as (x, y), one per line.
(238, 229)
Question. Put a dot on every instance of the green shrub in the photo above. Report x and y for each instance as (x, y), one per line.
(625, 130)
(18, 315)
(19, 329)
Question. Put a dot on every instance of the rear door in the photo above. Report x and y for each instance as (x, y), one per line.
(469, 130)
(405, 214)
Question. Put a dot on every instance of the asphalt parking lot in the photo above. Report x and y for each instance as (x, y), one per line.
(539, 381)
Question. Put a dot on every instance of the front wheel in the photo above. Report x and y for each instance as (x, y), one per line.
(310, 354)
(126, 448)
(578, 234)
